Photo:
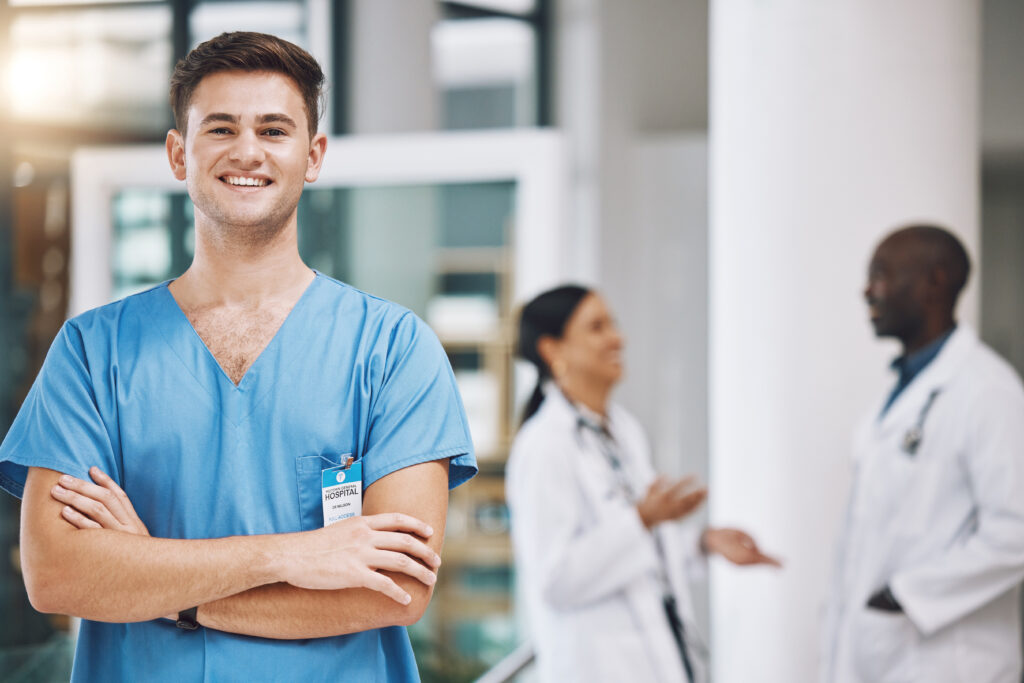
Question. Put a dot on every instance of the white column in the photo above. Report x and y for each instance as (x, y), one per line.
(392, 84)
(831, 122)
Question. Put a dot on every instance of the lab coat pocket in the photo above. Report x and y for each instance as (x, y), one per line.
(884, 647)
(307, 480)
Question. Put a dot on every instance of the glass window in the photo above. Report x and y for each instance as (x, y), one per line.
(92, 67)
(51, 3)
(282, 18)
(486, 72)
(508, 6)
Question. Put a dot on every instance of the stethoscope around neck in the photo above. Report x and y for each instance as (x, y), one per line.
(605, 447)
(915, 435)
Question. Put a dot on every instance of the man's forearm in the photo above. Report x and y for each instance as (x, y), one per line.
(118, 577)
(364, 572)
(107, 574)
(285, 612)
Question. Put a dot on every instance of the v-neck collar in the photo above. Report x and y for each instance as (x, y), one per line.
(197, 358)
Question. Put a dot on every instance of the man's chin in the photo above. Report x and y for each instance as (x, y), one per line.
(881, 329)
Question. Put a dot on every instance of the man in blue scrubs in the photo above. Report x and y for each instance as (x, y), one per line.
(215, 402)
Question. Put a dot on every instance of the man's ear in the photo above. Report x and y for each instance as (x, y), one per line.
(939, 284)
(317, 150)
(176, 153)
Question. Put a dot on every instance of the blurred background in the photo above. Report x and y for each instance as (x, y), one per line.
(719, 170)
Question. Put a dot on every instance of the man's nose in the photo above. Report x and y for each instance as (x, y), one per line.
(247, 150)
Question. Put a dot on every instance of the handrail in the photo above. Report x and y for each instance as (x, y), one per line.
(510, 665)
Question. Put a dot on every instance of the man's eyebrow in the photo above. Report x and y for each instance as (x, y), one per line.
(277, 118)
(218, 116)
(262, 118)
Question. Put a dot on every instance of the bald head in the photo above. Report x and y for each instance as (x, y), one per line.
(932, 248)
(914, 280)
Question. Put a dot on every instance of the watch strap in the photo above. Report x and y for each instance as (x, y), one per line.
(187, 619)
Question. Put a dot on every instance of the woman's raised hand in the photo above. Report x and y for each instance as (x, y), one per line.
(669, 499)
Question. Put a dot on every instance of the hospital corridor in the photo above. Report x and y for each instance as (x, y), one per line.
(512, 341)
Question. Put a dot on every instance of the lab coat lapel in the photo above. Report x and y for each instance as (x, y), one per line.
(905, 409)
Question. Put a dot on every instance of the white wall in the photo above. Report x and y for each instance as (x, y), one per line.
(628, 75)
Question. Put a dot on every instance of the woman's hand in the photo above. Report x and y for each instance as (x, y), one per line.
(667, 500)
(736, 546)
(100, 505)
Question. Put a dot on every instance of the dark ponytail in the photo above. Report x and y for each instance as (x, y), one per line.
(545, 316)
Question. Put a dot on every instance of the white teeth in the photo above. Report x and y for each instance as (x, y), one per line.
(251, 182)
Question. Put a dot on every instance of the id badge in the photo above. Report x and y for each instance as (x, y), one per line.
(342, 492)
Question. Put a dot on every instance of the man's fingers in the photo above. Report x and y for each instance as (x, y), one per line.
(104, 480)
(403, 564)
(88, 507)
(410, 545)
(383, 584)
(100, 497)
(396, 521)
(78, 519)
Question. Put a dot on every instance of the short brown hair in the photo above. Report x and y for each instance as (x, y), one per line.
(247, 51)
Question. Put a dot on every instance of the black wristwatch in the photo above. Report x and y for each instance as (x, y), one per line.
(187, 619)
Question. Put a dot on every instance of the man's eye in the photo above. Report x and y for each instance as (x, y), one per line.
(274, 132)
(221, 131)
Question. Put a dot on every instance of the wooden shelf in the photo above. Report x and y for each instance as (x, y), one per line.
(479, 550)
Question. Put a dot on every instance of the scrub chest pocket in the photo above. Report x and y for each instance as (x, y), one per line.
(307, 479)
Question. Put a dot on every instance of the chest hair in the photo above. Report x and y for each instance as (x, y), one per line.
(237, 335)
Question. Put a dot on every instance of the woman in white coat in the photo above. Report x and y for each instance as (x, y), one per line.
(601, 564)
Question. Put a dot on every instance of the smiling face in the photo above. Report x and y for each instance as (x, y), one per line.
(591, 346)
(247, 155)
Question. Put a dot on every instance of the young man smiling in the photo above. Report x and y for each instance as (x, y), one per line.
(216, 403)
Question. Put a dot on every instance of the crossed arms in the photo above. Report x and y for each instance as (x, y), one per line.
(364, 572)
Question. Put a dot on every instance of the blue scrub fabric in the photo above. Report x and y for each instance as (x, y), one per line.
(131, 388)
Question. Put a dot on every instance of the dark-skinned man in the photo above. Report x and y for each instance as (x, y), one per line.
(931, 557)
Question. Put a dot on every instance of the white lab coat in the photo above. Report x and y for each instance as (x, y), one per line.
(944, 528)
(587, 568)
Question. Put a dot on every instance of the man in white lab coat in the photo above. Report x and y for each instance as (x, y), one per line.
(927, 585)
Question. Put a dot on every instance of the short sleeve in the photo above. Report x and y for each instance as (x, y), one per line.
(59, 426)
(417, 415)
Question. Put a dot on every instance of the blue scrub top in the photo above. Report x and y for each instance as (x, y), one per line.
(131, 388)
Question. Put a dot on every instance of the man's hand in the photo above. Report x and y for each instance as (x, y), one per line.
(346, 554)
(667, 500)
(736, 546)
(103, 505)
